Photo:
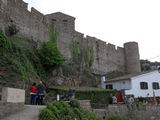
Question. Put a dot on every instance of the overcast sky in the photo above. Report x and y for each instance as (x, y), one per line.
(113, 21)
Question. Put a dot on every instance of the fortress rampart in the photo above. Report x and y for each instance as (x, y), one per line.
(35, 26)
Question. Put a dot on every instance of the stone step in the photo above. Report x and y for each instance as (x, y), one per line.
(30, 112)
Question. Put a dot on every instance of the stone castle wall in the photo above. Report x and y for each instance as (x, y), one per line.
(34, 25)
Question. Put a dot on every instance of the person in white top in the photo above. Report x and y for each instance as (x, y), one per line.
(131, 99)
(114, 99)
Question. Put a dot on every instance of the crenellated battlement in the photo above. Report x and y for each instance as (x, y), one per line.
(35, 26)
(35, 13)
(111, 46)
(78, 34)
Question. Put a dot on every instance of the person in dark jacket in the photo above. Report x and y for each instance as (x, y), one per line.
(40, 89)
(110, 99)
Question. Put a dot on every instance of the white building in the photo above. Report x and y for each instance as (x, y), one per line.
(137, 84)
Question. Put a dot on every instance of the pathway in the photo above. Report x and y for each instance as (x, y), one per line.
(29, 112)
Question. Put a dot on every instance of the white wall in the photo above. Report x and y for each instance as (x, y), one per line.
(149, 78)
(103, 79)
(120, 85)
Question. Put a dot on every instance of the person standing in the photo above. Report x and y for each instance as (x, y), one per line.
(40, 89)
(131, 99)
(33, 93)
(114, 98)
(110, 101)
(119, 97)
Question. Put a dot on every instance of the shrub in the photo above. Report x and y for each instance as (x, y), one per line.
(116, 117)
(63, 111)
(99, 96)
(5, 45)
(96, 96)
(74, 103)
(137, 102)
(12, 29)
(46, 114)
(49, 55)
(127, 119)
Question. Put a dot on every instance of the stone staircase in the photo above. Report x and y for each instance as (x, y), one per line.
(29, 112)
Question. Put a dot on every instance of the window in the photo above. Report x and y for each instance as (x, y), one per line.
(155, 85)
(143, 85)
(65, 22)
(54, 20)
(109, 86)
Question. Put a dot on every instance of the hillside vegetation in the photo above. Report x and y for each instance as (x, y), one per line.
(25, 61)
(64, 111)
(19, 62)
(22, 63)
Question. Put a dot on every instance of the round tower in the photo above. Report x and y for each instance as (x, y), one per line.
(132, 60)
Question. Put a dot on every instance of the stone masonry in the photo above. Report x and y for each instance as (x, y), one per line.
(12, 101)
(35, 26)
(13, 95)
(136, 112)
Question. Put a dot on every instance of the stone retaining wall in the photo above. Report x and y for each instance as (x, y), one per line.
(85, 104)
(140, 112)
(12, 101)
(13, 95)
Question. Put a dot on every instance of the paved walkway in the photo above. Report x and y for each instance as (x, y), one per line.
(28, 113)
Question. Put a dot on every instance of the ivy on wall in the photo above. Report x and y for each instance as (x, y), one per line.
(53, 33)
(49, 54)
(85, 54)
(89, 56)
(74, 49)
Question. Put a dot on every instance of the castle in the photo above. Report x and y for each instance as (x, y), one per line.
(35, 26)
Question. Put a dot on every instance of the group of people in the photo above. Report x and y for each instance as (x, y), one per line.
(121, 99)
(37, 94)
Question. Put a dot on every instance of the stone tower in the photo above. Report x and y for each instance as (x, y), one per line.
(132, 57)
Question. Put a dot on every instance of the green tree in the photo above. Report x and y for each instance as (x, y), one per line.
(50, 55)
